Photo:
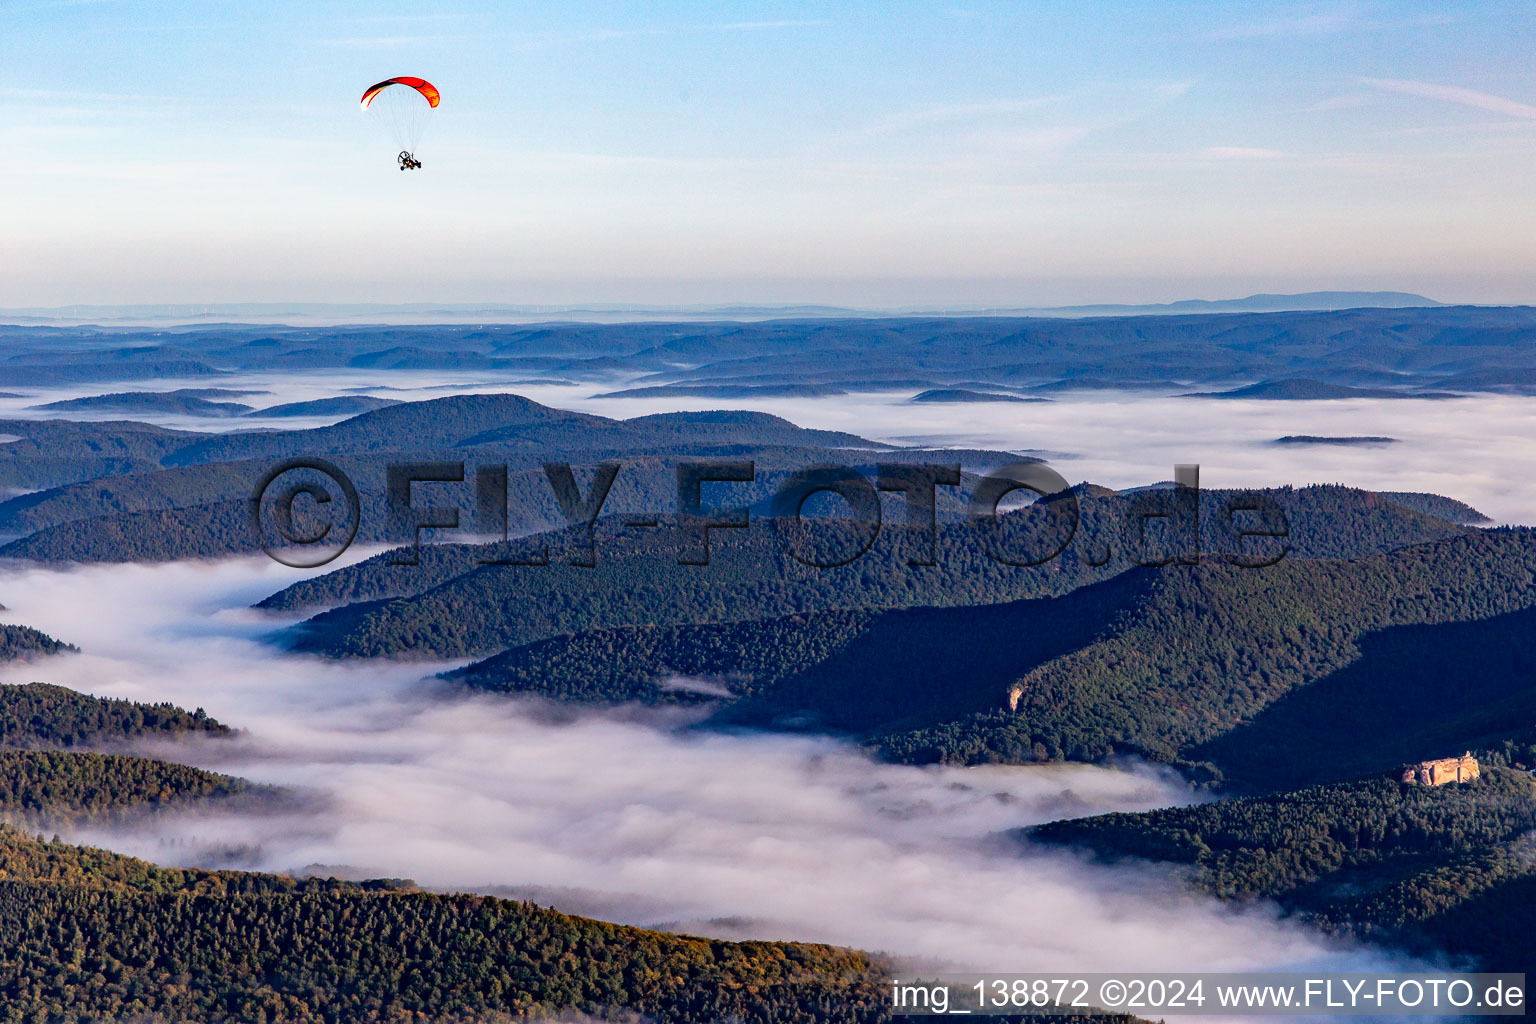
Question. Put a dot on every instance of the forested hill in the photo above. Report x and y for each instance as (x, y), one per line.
(21, 642)
(203, 511)
(1213, 646)
(1163, 663)
(87, 935)
(46, 780)
(1413, 692)
(92, 934)
(49, 453)
(164, 494)
(41, 715)
(1448, 869)
(129, 492)
(452, 605)
(507, 419)
(50, 787)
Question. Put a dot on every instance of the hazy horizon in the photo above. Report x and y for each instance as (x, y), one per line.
(193, 314)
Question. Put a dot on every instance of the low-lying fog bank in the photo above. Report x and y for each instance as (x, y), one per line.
(1474, 449)
(624, 815)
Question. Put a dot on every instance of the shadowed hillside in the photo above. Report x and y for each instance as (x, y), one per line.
(1155, 662)
(1443, 869)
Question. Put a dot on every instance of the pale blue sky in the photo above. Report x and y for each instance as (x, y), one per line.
(861, 153)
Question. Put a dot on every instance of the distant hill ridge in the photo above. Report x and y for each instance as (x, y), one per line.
(1262, 303)
(1477, 348)
(188, 401)
(1305, 389)
(951, 395)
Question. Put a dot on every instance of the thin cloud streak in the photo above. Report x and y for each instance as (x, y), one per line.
(1323, 23)
(1242, 153)
(388, 42)
(1327, 23)
(914, 117)
(1458, 95)
(747, 26)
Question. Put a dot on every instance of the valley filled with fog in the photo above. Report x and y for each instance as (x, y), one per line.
(650, 813)
(625, 814)
(710, 514)
(1467, 447)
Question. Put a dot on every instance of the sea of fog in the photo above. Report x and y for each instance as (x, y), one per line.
(1477, 449)
(627, 814)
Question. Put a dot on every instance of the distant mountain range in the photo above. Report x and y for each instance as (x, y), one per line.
(1407, 350)
(1262, 303)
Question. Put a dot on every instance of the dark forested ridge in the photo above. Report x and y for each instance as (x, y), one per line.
(41, 715)
(19, 642)
(1210, 647)
(1437, 505)
(48, 453)
(506, 428)
(1414, 692)
(1448, 869)
(451, 606)
(46, 779)
(87, 934)
(1326, 521)
(65, 785)
(340, 405)
(128, 492)
(187, 401)
(494, 420)
(1301, 389)
(202, 511)
(1181, 663)
(169, 495)
(943, 395)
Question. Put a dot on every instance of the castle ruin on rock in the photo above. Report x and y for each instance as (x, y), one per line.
(1442, 771)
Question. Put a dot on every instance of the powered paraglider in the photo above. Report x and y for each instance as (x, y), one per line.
(401, 106)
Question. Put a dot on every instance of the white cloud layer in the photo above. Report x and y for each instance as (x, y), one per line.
(621, 814)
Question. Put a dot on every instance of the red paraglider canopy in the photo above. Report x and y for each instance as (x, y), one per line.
(421, 85)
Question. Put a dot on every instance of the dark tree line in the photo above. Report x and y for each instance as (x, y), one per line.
(86, 934)
(18, 642)
(1449, 868)
(43, 715)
